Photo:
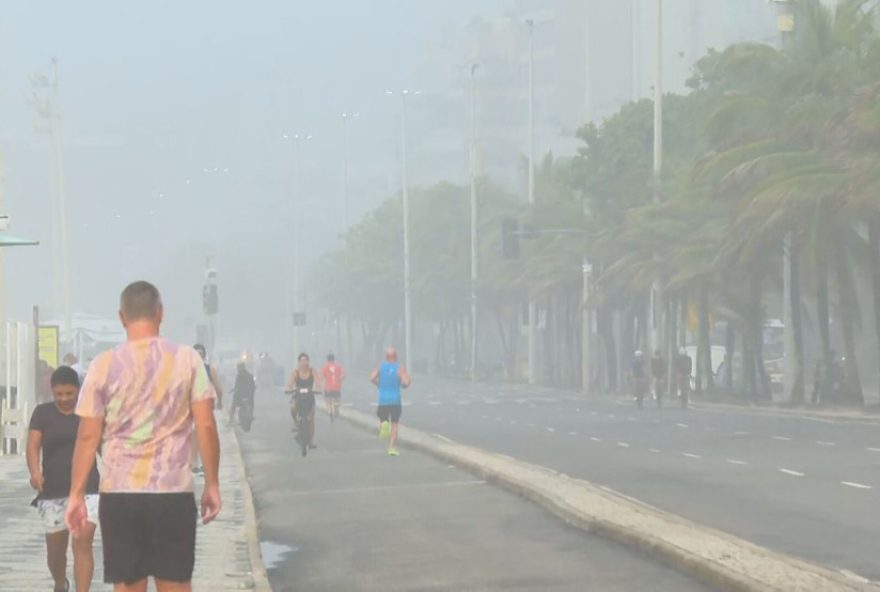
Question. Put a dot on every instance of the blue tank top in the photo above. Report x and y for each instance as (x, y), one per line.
(389, 383)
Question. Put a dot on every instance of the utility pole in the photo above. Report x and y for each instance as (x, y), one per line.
(407, 287)
(532, 345)
(474, 238)
(653, 329)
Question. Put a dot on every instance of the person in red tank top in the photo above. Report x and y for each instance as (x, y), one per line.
(333, 375)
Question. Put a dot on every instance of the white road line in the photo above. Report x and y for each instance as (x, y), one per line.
(682, 425)
(741, 433)
(623, 444)
(822, 443)
(513, 422)
(856, 485)
(792, 473)
(572, 433)
(631, 418)
(782, 438)
(498, 419)
(530, 424)
(873, 449)
(655, 421)
(691, 455)
(654, 450)
(611, 416)
(733, 461)
(387, 487)
(578, 409)
(442, 437)
(594, 413)
(595, 439)
(551, 429)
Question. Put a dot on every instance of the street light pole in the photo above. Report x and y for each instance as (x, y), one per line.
(658, 165)
(532, 345)
(297, 199)
(346, 212)
(474, 243)
(407, 310)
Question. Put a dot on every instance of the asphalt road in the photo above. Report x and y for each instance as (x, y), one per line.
(806, 487)
(348, 517)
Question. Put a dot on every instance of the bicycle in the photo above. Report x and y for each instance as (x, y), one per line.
(305, 405)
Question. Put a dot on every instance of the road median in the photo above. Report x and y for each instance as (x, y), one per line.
(722, 560)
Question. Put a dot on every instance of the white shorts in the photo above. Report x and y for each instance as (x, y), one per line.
(52, 512)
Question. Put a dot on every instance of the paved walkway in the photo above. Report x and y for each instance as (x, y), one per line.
(222, 556)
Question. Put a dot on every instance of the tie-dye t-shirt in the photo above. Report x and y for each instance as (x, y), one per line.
(144, 390)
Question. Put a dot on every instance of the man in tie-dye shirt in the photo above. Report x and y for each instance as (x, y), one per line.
(141, 401)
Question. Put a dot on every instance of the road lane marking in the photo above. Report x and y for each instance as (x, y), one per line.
(654, 450)
(595, 439)
(709, 429)
(513, 422)
(856, 485)
(792, 473)
(551, 429)
(873, 449)
(742, 433)
(435, 402)
(444, 438)
(631, 418)
(572, 433)
(682, 425)
(611, 416)
(733, 461)
(691, 455)
(823, 443)
(655, 421)
(782, 438)
(623, 444)
(530, 424)
(594, 413)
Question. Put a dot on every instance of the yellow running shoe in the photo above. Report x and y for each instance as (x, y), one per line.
(393, 452)
(384, 430)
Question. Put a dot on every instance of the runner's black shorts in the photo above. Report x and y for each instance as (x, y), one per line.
(333, 395)
(392, 412)
(304, 403)
(148, 534)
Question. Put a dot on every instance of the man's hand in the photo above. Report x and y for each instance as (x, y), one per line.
(37, 481)
(77, 515)
(211, 503)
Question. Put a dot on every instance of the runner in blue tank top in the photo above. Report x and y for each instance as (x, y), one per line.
(390, 377)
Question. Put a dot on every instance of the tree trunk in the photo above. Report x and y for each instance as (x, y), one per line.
(797, 390)
(764, 390)
(849, 310)
(874, 242)
(705, 340)
(824, 322)
(730, 353)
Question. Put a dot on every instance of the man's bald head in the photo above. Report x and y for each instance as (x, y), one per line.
(391, 354)
(140, 301)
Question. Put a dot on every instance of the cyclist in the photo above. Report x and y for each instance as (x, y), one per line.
(390, 377)
(303, 378)
(658, 376)
(333, 374)
(639, 378)
(243, 391)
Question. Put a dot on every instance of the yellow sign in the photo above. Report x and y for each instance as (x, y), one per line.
(47, 340)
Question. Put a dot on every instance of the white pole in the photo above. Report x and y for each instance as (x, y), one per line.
(57, 121)
(653, 329)
(345, 212)
(532, 345)
(474, 238)
(407, 311)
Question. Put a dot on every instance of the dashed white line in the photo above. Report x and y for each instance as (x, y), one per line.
(654, 450)
(530, 424)
(823, 443)
(691, 455)
(513, 422)
(856, 485)
(572, 433)
(709, 429)
(611, 416)
(442, 437)
(595, 439)
(741, 433)
(655, 421)
(682, 425)
(623, 444)
(631, 418)
(792, 473)
(594, 413)
(551, 429)
(873, 449)
(734, 461)
(782, 438)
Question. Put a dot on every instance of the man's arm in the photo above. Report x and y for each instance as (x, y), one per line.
(88, 438)
(405, 380)
(209, 449)
(374, 377)
(34, 443)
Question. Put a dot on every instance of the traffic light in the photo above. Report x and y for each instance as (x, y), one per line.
(510, 238)
(210, 300)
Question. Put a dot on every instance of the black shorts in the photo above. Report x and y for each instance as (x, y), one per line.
(148, 534)
(305, 404)
(392, 412)
(333, 395)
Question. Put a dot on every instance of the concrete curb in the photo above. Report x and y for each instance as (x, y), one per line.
(717, 558)
(258, 569)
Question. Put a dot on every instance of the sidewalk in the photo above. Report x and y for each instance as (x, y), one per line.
(223, 547)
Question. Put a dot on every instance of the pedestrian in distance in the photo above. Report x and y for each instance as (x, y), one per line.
(390, 378)
(51, 440)
(333, 375)
(140, 403)
(638, 378)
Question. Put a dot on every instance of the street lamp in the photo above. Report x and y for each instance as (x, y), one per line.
(532, 345)
(296, 140)
(474, 243)
(407, 311)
